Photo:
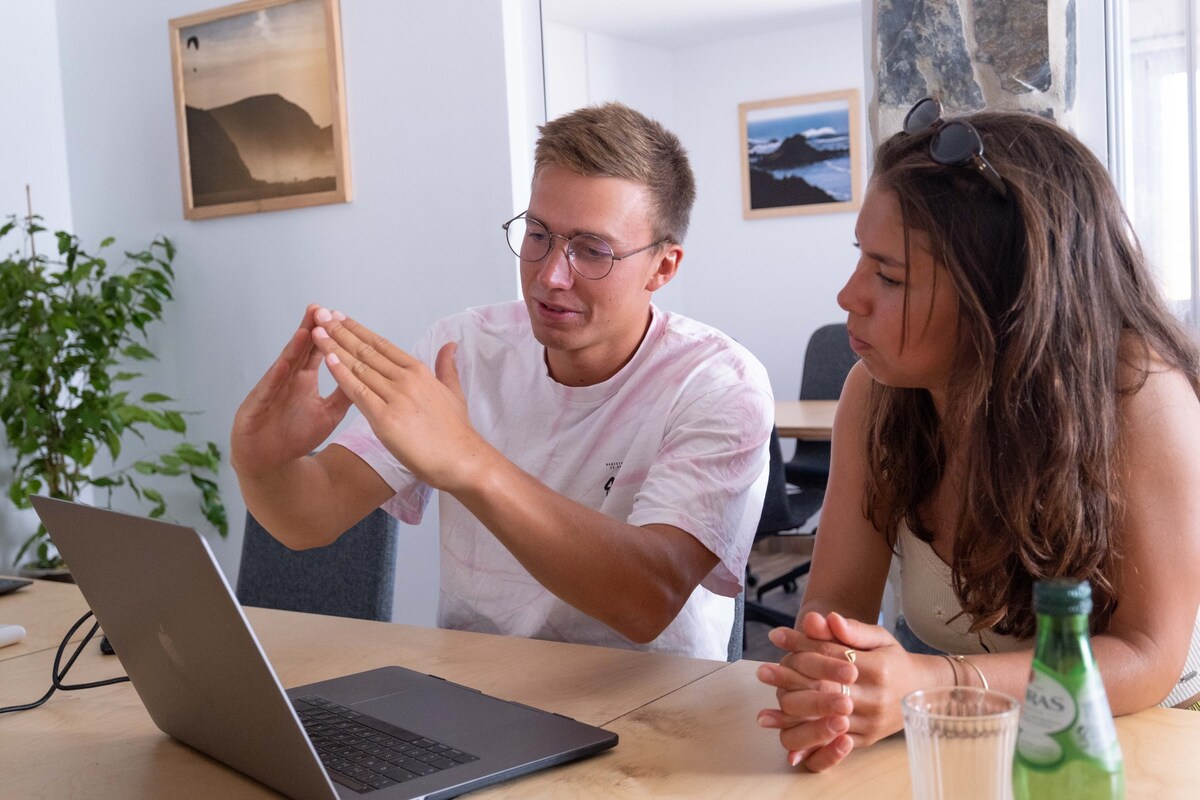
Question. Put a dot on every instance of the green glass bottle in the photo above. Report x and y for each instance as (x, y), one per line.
(1067, 744)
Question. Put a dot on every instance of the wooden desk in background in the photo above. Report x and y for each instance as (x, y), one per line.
(811, 420)
(687, 726)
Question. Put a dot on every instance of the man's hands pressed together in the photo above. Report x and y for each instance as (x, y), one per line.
(419, 415)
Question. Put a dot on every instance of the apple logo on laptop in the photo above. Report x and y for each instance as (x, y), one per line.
(168, 647)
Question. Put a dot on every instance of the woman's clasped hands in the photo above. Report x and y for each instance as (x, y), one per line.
(838, 687)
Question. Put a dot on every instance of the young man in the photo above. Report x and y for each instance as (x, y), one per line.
(601, 462)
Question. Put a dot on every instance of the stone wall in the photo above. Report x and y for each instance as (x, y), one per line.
(1016, 54)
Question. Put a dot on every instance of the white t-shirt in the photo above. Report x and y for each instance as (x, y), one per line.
(677, 437)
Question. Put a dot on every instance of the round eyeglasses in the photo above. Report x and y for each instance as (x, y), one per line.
(955, 143)
(589, 256)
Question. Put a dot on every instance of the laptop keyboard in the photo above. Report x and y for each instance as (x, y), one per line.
(365, 753)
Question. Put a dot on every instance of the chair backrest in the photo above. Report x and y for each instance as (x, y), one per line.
(353, 577)
(777, 513)
(827, 361)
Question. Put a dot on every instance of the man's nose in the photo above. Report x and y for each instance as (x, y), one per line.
(556, 268)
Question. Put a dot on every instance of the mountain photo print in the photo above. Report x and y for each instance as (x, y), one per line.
(801, 155)
(259, 106)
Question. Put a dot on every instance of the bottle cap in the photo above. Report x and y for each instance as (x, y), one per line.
(1059, 596)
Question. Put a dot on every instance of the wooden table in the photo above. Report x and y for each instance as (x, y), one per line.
(46, 610)
(687, 726)
(811, 420)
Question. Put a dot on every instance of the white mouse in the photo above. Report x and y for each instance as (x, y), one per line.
(11, 634)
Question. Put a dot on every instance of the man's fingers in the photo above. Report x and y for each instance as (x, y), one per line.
(291, 359)
(361, 343)
(446, 369)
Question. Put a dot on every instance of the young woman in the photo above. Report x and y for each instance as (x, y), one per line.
(1025, 407)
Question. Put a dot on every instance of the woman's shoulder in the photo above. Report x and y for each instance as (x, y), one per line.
(1155, 393)
(1144, 372)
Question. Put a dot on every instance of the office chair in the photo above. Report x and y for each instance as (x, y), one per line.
(737, 636)
(782, 511)
(827, 361)
(353, 577)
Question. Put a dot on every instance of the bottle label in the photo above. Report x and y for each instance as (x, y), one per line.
(1066, 717)
(1094, 733)
(1049, 709)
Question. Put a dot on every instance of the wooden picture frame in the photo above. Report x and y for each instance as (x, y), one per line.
(784, 166)
(260, 107)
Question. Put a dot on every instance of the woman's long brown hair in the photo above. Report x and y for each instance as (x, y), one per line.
(1053, 288)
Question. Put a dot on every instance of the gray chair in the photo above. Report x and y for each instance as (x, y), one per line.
(737, 636)
(353, 577)
(827, 361)
(782, 511)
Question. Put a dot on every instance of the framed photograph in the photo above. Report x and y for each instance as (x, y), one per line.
(260, 108)
(801, 155)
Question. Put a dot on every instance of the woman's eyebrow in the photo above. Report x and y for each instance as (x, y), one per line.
(884, 259)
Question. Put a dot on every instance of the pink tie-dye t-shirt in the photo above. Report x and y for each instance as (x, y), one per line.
(677, 437)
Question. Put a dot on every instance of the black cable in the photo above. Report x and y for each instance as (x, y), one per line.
(56, 676)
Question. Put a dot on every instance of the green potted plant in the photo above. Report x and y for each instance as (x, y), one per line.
(69, 327)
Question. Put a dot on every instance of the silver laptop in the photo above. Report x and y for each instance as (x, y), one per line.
(202, 675)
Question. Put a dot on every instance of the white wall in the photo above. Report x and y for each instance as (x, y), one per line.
(430, 158)
(32, 152)
(585, 67)
(767, 282)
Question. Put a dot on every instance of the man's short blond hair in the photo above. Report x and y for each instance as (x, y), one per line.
(614, 141)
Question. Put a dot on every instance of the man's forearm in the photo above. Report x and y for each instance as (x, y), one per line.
(633, 579)
(302, 506)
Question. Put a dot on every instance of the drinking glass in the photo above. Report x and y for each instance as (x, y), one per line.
(960, 741)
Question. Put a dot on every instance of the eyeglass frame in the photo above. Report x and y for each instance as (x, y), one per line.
(976, 161)
(569, 250)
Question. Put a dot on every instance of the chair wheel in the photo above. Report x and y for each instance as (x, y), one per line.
(751, 581)
(790, 587)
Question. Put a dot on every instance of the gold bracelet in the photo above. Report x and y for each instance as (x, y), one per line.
(971, 664)
(953, 669)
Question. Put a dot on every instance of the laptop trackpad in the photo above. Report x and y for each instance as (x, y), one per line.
(442, 711)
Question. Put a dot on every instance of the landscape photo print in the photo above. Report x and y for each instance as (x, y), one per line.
(801, 155)
(259, 107)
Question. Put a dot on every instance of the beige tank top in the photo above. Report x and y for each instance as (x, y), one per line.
(932, 611)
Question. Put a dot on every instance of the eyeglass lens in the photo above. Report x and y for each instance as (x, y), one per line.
(588, 255)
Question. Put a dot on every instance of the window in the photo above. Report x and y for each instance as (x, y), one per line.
(1153, 121)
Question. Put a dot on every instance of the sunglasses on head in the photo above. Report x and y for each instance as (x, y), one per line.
(955, 143)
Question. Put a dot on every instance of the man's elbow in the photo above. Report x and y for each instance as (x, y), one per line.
(645, 624)
(300, 537)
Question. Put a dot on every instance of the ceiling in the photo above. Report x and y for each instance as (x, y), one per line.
(673, 24)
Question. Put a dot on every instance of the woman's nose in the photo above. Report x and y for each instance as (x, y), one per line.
(851, 297)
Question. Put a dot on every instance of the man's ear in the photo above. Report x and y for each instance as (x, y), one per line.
(666, 265)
